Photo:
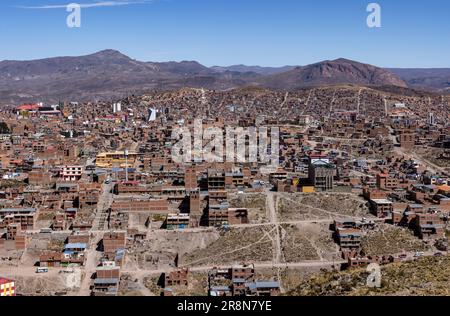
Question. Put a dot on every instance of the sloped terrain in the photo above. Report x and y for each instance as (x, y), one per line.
(313, 206)
(339, 71)
(308, 242)
(235, 246)
(387, 239)
(424, 276)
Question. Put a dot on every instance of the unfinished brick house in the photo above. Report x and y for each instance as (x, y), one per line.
(88, 195)
(407, 140)
(136, 205)
(349, 238)
(25, 217)
(190, 179)
(177, 278)
(321, 173)
(381, 208)
(217, 213)
(14, 239)
(113, 246)
(195, 208)
(430, 225)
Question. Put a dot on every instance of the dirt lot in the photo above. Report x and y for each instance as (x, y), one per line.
(388, 239)
(10, 258)
(434, 155)
(40, 243)
(162, 248)
(298, 207)
(255, 203)
(308, 242)
(235, 246)
(129, 286)
(138, 221)
(52, 284)
(46, 215)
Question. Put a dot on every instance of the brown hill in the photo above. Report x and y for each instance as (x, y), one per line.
(340, 71)
(103, 75)
(433, 78)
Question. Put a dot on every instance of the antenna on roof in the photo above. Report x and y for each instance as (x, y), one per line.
(126, 164)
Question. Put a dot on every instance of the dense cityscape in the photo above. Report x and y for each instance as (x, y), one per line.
(92, 202)
(224, 156)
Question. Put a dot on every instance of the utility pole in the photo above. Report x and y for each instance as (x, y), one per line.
(126, 165)
(385, 107)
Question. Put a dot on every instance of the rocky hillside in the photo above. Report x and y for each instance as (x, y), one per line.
(340, 71)
(425, 276)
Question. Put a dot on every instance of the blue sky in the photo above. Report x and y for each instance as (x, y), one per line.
(224, 32)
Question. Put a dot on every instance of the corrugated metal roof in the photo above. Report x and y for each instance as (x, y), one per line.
(263, 284)
(18, 209)
(106, 281)
(75, 245)
(220, 288)
(238, 280)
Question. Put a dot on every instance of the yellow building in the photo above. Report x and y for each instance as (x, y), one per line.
(308, 189)
(115, 159)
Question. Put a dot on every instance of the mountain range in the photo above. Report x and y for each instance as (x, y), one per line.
(109, 74)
